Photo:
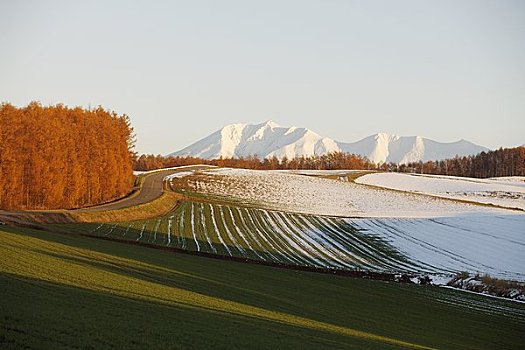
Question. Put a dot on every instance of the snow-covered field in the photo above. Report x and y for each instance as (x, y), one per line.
(178, 175)
(505, 192)
(136, 172)
(438, 247)
(476, 244)
(310, 195)
(437, 236)
(319, 172)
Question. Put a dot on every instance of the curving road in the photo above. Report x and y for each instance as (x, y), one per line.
(151, 189)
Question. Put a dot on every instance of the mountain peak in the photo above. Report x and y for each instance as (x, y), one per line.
(269, 139)
(270, 123)
(385, 136)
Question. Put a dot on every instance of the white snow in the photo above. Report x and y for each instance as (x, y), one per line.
(434, 236)
(318, 172)
(311, 195)
(201, 217)
(178, 175)
(230, 236)
(170, 220)
(142, 231)
(490, 244)
(268, 140)
(156, 230)
(192, 220)
(136, 172)
(181, 230)
(503, 192)
(240, 234)
(518, 179)
(217, 232)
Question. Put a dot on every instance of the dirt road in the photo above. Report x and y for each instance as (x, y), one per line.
(152, 188)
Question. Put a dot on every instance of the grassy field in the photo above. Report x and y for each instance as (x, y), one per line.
(269, 236)
(69, 291)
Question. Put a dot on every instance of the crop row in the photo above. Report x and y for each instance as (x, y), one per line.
(272, 236)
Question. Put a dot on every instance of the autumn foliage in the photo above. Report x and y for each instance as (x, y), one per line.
(337, 160)
(59, 157)
(501, 162)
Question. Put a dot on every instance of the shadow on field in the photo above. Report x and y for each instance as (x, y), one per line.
(39, 314)
(180, 313)
(147, 237)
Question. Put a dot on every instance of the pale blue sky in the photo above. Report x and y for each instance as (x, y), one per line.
(346, 69)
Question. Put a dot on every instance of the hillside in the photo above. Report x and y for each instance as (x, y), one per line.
(508, 192)
(66, 291)
(341, 224)
(268, 140)
(178, 278)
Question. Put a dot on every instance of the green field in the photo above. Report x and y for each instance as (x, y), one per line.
(257, 234)
(70, 291)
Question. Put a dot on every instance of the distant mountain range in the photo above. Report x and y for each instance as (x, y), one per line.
(269, 139)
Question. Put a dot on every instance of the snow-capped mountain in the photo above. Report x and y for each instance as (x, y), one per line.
(405, 149)
(269, 139)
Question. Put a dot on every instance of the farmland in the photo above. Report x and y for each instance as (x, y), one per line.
(347, 225)
(508, 192)
(68, 291)
(320, 196)
(154, 296)
(384, 245)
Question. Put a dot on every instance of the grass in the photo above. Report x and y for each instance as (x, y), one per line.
(67, 291)
(270, 236)
(158, 207)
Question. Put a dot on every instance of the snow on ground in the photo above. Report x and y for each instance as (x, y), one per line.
(481, 244)
(506, 179)
(178, 175)
(319, 172)
(438, 236)
(503, 192)
(136, 172)
(311, 195)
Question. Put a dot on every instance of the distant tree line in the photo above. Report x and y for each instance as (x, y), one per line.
(60, 157)
(501, 162)
(335, 160)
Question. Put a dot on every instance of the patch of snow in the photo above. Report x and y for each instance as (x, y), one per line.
(193, 227)
(136, 173)
(178, 175)
(142, 231)
(506, 179)
(240, 234)
(170, 220)
(311, 195)
(498, 191)
(438, 237)
(217, 232)
(318, 172)
(481, 244)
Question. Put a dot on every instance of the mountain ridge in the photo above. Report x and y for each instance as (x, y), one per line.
(269, 139)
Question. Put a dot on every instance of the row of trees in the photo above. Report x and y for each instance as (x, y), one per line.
(329, 161)
(502, 162)
(60, 157)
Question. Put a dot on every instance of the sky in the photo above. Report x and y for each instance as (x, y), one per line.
(445, 70)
